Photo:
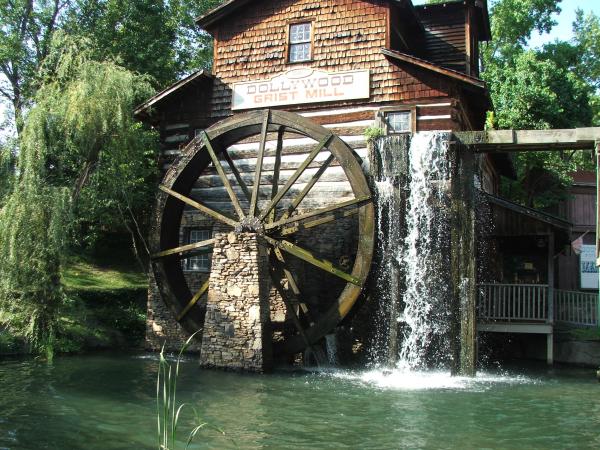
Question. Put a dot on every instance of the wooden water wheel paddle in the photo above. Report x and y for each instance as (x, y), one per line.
(276, 209)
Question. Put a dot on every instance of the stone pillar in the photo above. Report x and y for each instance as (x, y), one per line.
(237, 332)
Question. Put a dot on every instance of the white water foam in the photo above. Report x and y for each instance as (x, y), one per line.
(413, 380)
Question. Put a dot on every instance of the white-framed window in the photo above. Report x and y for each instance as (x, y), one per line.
(300, 42)
(398, 122)
(198, 263)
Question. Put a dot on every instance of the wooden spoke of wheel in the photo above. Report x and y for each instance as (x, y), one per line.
(299, 171)
(356, 202)
(307, 256)
(224, 179)
(193, 301)
(308, 187)
(237, 175)
(196, 247)
(276, 170)
(294, 228)
(293, 285)
(277, 274)
(199, 206)
(259, 163)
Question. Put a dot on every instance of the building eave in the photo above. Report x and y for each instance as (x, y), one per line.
(531, 213)
(220, 12)
(141, 112)
(454, 74)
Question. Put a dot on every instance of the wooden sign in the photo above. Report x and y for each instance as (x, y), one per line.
(298, 86)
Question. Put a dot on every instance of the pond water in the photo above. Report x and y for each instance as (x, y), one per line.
(108, 402)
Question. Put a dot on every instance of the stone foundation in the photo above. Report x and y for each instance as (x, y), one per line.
(161, 326)
(237, 332)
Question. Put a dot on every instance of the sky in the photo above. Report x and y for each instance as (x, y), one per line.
(563, 30)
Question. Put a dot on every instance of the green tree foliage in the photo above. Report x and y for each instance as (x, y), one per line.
(80, 129)
(158, 38)
(25, 35)
(539, 89)
(7, 170)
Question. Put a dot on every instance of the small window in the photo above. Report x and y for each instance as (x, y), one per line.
(201, 262)
(300, 42)
(398, 122)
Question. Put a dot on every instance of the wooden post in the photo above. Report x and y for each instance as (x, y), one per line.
(550, 320)
(597, 148)
(550, 349)
(463, 261)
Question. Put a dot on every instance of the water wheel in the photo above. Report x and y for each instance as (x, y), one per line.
(272, 203)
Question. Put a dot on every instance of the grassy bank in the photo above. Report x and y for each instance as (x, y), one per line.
(105, 305)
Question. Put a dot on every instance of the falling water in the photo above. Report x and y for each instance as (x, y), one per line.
(331, 347)
(426, 264)
(414, 258)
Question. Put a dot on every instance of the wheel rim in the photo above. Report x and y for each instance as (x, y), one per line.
(211, 147)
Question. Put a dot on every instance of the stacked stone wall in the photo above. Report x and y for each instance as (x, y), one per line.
(237, 332)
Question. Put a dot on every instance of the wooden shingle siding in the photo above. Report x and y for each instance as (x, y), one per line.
(347, 35)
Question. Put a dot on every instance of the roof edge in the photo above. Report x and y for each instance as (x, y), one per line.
(535, 214)
(140, 110)
(477, 82)
(219, 12)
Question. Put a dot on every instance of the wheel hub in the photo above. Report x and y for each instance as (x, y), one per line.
(250, 225)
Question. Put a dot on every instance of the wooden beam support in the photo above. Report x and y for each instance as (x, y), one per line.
(224, 179)
(259, 163)
(276, 170)
(307, 256)
(356, 202)
(308, 187)
(297, 226)
(530, 140)
(199, 206)
(193, 301)
(299, 171)
(237, 175)
(196, 247)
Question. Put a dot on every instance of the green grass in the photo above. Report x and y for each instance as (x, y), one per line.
(86, 273)
(106, 305)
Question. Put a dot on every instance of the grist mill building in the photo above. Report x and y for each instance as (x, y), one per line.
(296, 89)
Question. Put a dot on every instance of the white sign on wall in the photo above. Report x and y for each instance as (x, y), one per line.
(587, 267)
(303, 85)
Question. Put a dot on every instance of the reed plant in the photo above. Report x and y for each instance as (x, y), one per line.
(167, 411)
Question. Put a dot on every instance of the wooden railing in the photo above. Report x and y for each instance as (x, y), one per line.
(513, 302)
(577, 308)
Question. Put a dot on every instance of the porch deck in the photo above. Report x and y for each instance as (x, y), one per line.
(533, 308)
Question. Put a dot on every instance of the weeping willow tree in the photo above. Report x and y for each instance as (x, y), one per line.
(81, 116)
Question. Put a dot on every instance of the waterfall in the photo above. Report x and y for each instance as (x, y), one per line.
(331, 347)
(414, 256)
